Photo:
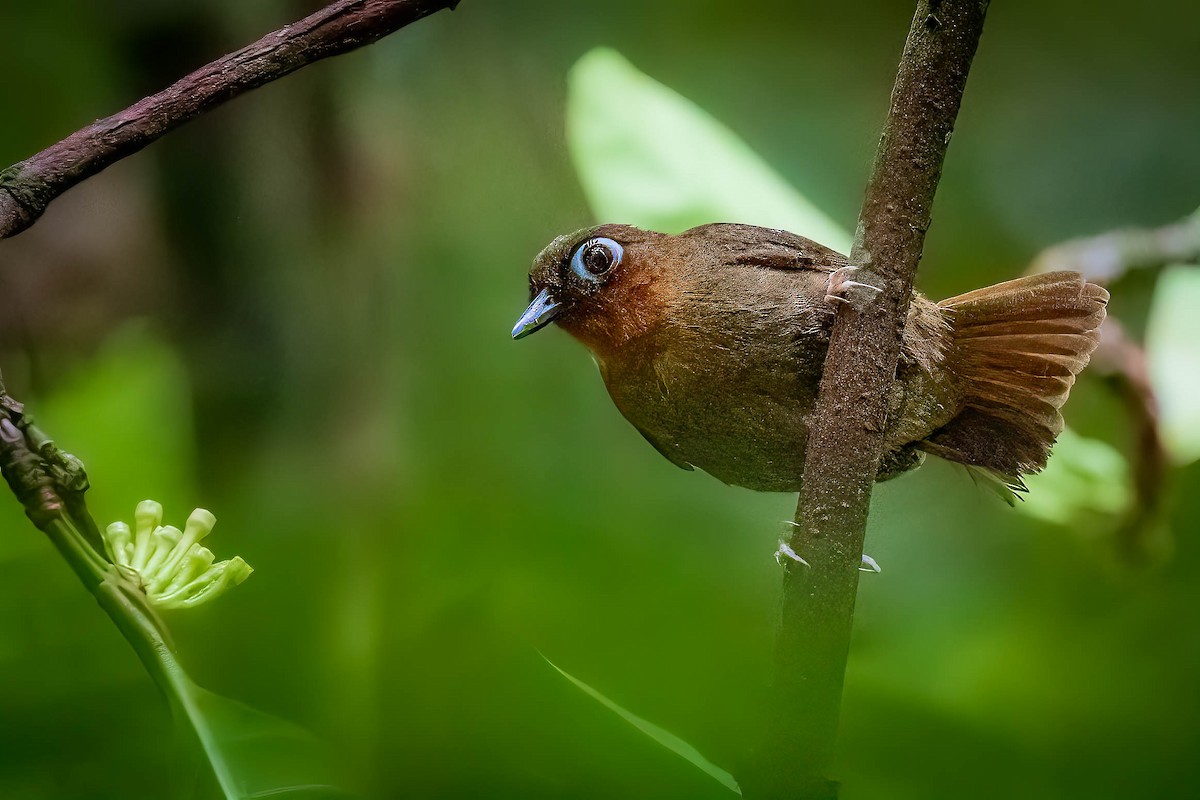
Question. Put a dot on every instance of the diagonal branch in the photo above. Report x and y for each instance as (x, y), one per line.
(26, 188)
(1110, 255)
(847, 428)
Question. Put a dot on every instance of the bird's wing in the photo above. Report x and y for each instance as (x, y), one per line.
(749, 245)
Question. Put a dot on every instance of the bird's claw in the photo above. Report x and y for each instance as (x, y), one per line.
(843, 289)
(785, 549)
(868, 564)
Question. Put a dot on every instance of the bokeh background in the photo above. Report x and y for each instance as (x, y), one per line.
(295, 312)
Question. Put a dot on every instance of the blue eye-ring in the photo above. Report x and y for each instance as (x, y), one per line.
(595, 257)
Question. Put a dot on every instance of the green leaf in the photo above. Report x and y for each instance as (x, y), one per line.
(649, 157)
(664, 737)
(1173, 351)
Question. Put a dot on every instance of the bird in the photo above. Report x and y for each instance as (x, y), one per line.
(711, 343)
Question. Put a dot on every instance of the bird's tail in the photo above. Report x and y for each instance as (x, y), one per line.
(1016, 349)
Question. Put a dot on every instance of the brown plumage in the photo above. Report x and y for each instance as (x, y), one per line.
(712, 342)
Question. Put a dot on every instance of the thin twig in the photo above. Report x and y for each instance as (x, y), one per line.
(1124, 361)
(1110, 255)
(846, 434)
(26, 188)
(30, 472)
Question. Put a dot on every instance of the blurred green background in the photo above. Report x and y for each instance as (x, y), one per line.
(295, 312)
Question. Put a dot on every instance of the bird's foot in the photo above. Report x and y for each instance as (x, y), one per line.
(842, 288)
(785, 551)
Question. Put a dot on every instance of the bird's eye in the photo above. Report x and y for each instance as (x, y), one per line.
(595, 257)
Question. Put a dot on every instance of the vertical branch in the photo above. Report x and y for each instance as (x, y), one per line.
(846, 435)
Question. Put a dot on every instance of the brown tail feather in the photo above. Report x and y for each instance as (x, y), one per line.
(1016, 349)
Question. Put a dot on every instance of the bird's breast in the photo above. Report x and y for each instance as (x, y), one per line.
(730, 396)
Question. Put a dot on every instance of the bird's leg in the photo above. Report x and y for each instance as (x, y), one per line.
(842, 288)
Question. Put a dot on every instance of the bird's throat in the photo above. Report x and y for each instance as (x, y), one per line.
(629, 310)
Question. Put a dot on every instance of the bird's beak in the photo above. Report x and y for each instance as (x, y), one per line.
(541, 311)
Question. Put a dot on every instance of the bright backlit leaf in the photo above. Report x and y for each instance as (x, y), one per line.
(650, 157)
(1173, 349)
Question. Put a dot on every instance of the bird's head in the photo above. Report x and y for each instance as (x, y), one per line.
(602, 285)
